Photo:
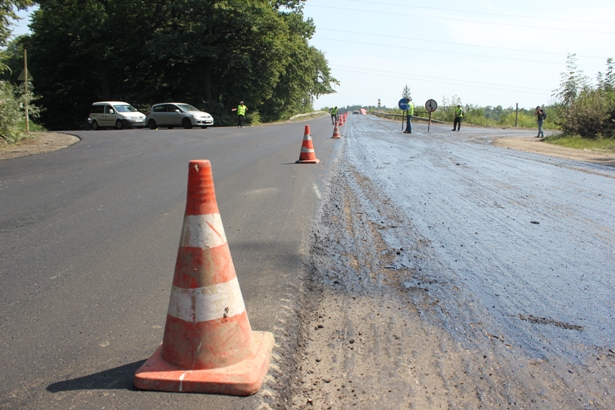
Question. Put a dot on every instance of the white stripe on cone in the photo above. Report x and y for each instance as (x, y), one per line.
(203, 231)
(206, 303)
(304, 149)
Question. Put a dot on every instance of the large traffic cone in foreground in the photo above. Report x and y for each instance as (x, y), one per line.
(307, 156)
(208, 345)
(336, 133)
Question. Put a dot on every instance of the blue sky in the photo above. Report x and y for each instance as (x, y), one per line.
(483, 52)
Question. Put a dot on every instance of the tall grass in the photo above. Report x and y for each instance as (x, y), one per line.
(601, 144)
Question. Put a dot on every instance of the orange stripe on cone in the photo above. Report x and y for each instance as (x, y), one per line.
(307, 156)
(208, 345)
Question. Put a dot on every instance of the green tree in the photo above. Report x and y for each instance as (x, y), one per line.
(210, 53)
(572, 82)
(8, 15)
(405, 93)
(606, 81)
(11, 101)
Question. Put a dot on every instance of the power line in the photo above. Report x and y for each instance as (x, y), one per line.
(462, 20)
(541, 18)
(445, 52)
(455, 80)
(452, 43)
(438, 80)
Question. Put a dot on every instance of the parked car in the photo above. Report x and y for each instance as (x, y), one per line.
(115, 114)
(177, 115)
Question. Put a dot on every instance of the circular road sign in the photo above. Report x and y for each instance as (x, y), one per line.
(431, 105)
(404, 104)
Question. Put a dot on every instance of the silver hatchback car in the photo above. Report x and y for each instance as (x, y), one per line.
(177, 115)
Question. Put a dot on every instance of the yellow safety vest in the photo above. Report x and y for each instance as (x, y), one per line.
(411, 108)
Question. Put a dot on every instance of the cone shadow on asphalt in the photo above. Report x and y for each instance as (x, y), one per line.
(111, 379)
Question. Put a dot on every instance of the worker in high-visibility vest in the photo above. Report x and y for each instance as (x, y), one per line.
(241, 113)
(458, 117)
(409, 115)
(333, 112)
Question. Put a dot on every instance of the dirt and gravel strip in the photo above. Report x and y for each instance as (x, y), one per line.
(530, 144)
(39, 143)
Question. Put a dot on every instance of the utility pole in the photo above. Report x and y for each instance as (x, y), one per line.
(516, 115)
(25, 84)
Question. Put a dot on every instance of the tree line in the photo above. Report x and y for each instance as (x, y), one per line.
(209, 53)
(579, 108)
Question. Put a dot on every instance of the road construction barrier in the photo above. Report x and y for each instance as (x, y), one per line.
(208, 345)
(307, 155)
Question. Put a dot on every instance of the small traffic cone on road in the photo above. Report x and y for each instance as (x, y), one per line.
(341, 120)
(307, 156)
(208, 345)
(336, 133)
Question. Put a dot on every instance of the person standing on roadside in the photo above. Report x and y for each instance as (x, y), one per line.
(540, 117)
(458, 117)
(409, 115)
(241, 113)
(333, 112)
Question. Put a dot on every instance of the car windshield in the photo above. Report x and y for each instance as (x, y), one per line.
(187, 107)
(125, 108)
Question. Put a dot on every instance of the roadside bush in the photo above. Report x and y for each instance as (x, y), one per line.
(10, 114)
(591, 115)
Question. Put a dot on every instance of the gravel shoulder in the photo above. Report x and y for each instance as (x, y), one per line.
(530, 144)
(40, 143)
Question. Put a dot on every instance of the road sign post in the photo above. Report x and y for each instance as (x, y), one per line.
(404, 105)
(430, 105)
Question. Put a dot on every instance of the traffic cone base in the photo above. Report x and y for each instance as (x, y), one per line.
(307, 161)
(241, 379)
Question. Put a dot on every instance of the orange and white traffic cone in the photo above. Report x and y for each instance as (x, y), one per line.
(341, 120)
(307, 156)
(336, 133)
(208, 345)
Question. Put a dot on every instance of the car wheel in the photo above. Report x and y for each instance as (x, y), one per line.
(119, 125)
(186, 123)
(151, 124)
(205, 127)
(95, 125)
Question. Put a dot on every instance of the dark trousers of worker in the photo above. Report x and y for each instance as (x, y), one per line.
(240, 119)
(409, 124)
(457, 124)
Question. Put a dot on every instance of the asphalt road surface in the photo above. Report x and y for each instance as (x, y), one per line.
(89, 237)
(431, 270)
